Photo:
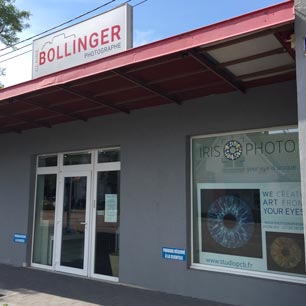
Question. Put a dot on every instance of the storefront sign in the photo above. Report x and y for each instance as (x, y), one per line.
(93, 39)
(174, 254)
(20, 238)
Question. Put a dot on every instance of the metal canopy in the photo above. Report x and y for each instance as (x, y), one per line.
(234, 55)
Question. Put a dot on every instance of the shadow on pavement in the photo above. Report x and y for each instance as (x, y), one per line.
(90, 291)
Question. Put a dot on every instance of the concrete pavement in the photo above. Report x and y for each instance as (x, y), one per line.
(31, 287)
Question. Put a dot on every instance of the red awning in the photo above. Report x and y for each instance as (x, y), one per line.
(233, 55)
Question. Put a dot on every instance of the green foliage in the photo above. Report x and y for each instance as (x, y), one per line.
(12, 21)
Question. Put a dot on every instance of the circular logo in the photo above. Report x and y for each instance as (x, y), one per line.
(232, 150)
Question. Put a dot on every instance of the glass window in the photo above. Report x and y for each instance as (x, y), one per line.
(106, 259)
(77, 158)
(108, 156)
(73, 221)
(44, 219)
(47, 161)
(247, 209)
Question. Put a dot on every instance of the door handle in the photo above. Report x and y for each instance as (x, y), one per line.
(83, 223)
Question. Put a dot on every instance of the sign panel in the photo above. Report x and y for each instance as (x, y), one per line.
(111, 208)
(20, 238)
(246, 220)
(174, 254)
(93, 39)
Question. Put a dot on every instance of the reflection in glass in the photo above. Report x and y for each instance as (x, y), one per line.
(44, 219)
(108, 156)
(77, 159)
(73, 225)
(47, 161)
(107, 224)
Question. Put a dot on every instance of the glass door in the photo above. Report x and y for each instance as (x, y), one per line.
(44, 219)
(73, 222)
(106, 223)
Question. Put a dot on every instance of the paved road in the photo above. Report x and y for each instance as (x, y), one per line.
(30, 287)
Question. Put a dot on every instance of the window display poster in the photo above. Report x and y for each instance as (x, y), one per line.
(247, 202)
(252, 226)
(111, 208)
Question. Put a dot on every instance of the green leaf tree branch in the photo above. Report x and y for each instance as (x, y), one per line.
(12, 22)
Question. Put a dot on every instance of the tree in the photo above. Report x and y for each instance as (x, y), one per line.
(12, 21)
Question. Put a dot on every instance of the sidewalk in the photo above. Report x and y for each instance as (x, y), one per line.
(25, 287)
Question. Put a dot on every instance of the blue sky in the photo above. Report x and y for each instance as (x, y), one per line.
(153, 20)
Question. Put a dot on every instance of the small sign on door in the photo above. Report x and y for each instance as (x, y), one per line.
(111, 208)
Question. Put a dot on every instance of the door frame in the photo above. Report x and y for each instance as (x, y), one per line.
(102, 167)
(59, 221)
(61, 170)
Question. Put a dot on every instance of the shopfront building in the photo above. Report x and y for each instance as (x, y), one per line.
(177, 166)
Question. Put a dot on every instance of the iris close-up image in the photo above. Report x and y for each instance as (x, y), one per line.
(231, 222)
(285, 252)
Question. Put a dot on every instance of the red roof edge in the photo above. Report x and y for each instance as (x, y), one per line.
(273, 16)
